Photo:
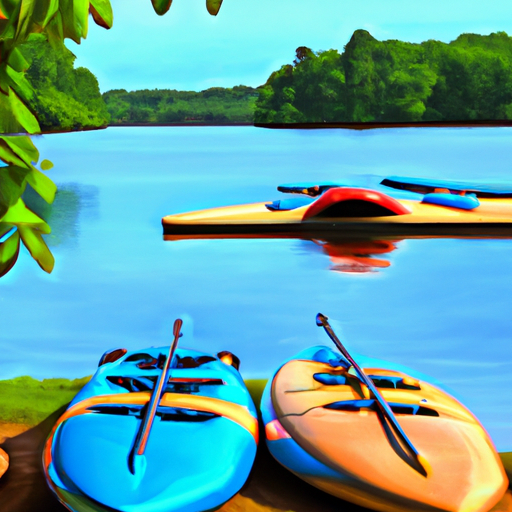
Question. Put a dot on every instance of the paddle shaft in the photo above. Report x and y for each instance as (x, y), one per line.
(147, 423)
(380, 400)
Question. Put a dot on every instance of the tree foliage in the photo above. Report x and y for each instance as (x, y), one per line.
(56, 20)
(393, 81)
(162, 106)
(66, 98)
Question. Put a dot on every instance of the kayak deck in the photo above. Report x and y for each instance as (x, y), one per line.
(86, 457)
(493, 216)
(323, 413)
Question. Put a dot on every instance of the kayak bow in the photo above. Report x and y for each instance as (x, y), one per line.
(193, 434)
(324, 421)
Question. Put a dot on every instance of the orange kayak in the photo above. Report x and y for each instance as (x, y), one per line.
(4, 462)
(322, 423)
(347, 210)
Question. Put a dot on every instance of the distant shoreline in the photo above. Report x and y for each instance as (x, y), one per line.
(198, 123)
(309, 126)
(350, 126)
(378, 124)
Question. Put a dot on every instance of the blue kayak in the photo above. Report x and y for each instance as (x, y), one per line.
(418, 185)
(199, 449)
(427, 186)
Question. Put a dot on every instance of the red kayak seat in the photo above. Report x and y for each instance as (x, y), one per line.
(354, 202)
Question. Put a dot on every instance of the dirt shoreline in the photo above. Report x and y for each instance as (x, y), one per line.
(8, 430)
(270, 487)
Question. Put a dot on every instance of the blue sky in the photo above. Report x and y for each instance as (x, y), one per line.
(187, 49)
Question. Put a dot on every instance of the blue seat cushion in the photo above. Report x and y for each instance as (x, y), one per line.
(467, 202)
(289, 203)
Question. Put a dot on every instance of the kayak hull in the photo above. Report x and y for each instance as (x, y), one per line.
(86, 457)
(348, 451)
(312, 230)
(4, 462)
(491, 217)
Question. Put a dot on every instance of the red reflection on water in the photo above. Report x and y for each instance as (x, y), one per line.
(357, 256)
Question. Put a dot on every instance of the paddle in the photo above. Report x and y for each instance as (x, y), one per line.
(421, 465)
(136, 460)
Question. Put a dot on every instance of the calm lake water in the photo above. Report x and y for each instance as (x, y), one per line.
(442, 307)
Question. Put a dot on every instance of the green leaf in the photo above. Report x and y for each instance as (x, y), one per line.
(161, 6)
(23, 114)
(8, 156)
(43, 185)
(12, 184)
(9, 250)
(20, 215)
(17, 61)
(5, 228)
(19, 83)
(54, 31)
(23, 147)
(4, 79)
(53, 7)
(213, 6)
(25, 19)
(102, 14)
(75, 16)
(46, 165)
(37, 247)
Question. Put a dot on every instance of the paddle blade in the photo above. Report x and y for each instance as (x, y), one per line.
(320, 319)
(177, 327)
(138, 465)
(423, 462)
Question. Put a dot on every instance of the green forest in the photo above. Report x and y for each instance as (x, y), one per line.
(467, 80)
(66, 98)
(162, 106)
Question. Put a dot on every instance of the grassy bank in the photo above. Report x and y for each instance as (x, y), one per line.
(28, 401)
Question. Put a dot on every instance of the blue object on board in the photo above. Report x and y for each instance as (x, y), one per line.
(425, 186)
(311, 188)
(289, 203)
(195, 460)
(467, 202)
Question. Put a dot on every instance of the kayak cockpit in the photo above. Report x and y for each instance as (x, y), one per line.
(370, 405)
(164, 413)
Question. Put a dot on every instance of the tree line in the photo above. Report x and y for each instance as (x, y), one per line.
(216, 105)
(69, 99)
(469, 79)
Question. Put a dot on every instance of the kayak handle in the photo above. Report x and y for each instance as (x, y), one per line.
(147, 422)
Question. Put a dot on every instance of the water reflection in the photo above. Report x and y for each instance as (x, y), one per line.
(357, 256)
(352, 254)
(349, 254)
(71, 202)
(57, 222)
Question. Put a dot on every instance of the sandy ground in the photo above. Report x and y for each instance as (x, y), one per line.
(11, 430)
(270, 488)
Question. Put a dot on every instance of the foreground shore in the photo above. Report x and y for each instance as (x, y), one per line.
(270, 487)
